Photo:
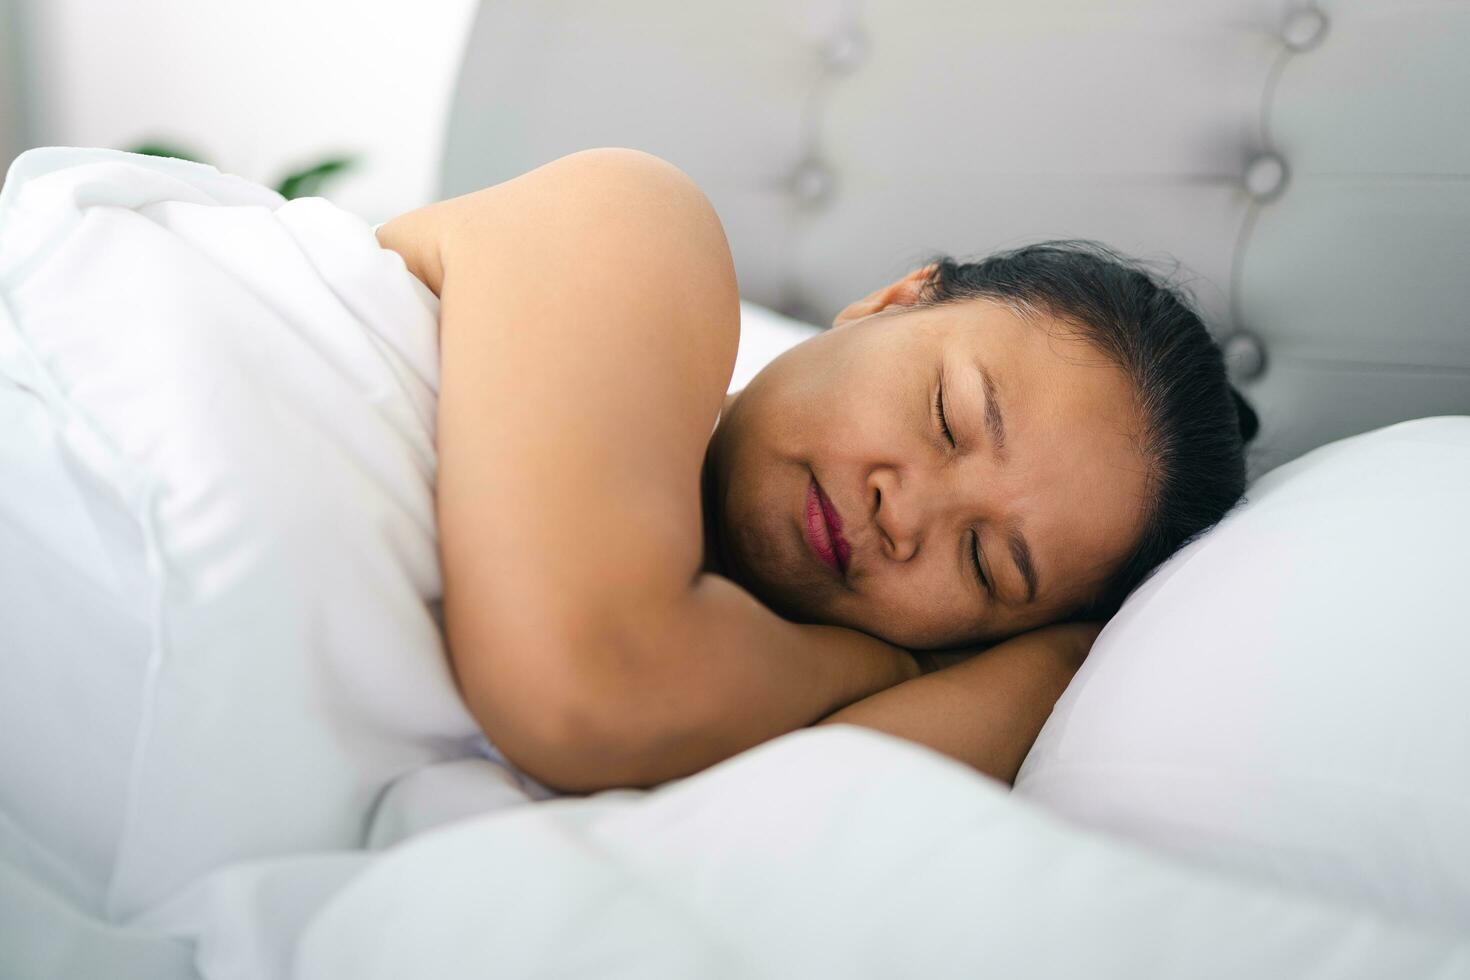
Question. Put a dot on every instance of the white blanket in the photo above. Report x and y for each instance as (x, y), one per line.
(836, 852)
(218, 568)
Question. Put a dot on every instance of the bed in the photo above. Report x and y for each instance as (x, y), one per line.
(1263, 769)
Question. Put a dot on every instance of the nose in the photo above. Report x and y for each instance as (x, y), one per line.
(896, 513)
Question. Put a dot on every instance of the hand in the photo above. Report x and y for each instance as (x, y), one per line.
(990, 705)
(1082, 635)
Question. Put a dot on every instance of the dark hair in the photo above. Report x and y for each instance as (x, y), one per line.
(1195, 424)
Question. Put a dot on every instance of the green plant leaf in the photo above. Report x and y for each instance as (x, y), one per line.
(166, 150)
(308, 182)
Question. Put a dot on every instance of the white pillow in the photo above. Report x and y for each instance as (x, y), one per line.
(218, 568)
(1287, 695)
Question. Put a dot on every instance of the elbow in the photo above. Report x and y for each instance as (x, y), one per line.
(570, 749)
(565, 722)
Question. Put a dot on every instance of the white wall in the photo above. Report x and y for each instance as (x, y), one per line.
(257, 87)
(12, 123)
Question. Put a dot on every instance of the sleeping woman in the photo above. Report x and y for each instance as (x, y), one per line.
(915, 521)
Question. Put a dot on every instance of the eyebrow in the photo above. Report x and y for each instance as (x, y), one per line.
(994, 421)
(1021, 554)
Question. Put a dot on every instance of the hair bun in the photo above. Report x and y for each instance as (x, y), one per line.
(1249, 423)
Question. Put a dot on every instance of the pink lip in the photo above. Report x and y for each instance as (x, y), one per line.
(824, 529)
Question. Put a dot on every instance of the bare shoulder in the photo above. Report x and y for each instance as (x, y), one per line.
(614, 226)
(616, 182)
(640, 199)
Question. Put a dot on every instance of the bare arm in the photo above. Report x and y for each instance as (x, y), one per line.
(588, 325)
(987, 710)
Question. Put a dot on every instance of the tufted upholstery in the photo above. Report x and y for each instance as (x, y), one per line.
(1308, 166)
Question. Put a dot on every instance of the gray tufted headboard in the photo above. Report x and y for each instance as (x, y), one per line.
(1309, 166)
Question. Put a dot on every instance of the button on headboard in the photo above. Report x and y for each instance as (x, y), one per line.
(1304, 169)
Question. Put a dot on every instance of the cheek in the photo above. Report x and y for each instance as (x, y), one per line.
(760, 532)
(920, 608)
(772, 423)
(824, 386)
(753, 528)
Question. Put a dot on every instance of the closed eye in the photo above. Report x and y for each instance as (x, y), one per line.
(939, 414)
(975, 559)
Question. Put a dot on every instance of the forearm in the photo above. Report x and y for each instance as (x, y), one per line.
(688, 687)
(985, 711)
(749, 676)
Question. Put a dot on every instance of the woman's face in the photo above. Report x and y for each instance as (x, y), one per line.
(853, 409)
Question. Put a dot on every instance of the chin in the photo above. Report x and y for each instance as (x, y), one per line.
(780, 598)
(787, 599)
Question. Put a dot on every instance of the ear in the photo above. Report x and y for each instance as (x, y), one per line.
(903, 292)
